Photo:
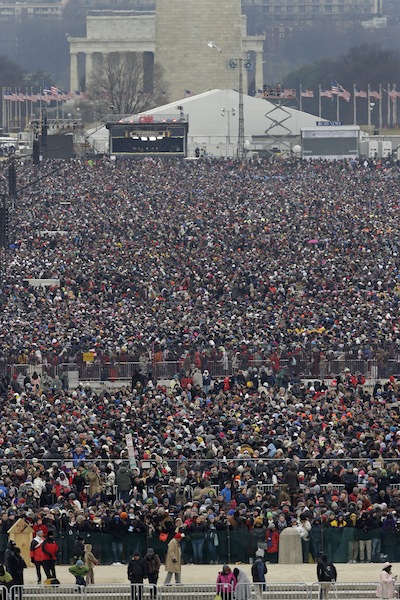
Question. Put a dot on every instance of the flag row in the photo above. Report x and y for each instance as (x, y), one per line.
(47, 95)
(336, 90)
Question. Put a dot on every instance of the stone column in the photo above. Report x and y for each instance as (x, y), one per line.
(88, 67)
(259, 71)
(74, 82)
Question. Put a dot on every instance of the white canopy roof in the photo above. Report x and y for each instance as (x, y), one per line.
(209, 128)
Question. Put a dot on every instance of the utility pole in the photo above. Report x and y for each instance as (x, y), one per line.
(3, 236)
(43, 138)
(241, 62)
(12, 180)
(241, 112)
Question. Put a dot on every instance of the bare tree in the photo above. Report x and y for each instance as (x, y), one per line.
(122, 83)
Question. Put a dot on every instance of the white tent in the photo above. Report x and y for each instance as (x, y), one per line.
(213, 121)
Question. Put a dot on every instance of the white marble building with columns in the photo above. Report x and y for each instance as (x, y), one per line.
(130, 31)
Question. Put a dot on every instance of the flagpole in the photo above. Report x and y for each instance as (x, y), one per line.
(14, 108)
(8, 110)
(380, 107)
(19, 109)
(394, 106)
(319, 100)
(369, 106)
(3, 108)
(354, 105)
(301, 97)
(388, 106)
(26, 107)
(337, 106)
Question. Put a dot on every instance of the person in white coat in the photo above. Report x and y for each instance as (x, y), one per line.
(387, 583)
(243, 587)
(304, 527)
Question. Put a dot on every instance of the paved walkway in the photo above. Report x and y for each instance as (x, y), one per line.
(302, 573)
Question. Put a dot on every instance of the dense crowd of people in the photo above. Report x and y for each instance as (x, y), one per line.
(204, 261)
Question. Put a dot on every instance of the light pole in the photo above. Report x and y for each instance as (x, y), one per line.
(238, 62)
(228, 112)
(370, 109)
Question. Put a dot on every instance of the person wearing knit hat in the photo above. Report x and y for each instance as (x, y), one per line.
(173, 564)
(258, 572)
(79, 570)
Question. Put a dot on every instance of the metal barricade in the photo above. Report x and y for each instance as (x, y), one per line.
(344, 591)
(286, 591)
(47, 592)
(116, 591)
(191, 591)
(194, 591)
(265, 487)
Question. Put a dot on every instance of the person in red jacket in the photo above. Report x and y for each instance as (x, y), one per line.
(36, 552)
(272, 538)
(50, 551)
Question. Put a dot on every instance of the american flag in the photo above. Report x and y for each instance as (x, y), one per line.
(54, 91)
(288, 93)
(393, 94)
(344, 94)
(360, 93)
(307, 94)
(189, 93)
(335, 87)
(340, 91)
(325, 94)
(375, 95)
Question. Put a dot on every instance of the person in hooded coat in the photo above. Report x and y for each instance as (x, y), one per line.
(9, 551)
(387, 582)
(90, 561)
(153, 569)
(226, 583)
(16, 566)
(243, 587)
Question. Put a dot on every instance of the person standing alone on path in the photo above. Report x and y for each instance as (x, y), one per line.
(90, 561)
(327, 575)
(153, 564)
(137, 571)
(37, 556)
(173, 562)
(50, 551)
(258, 572)
(387, 582)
